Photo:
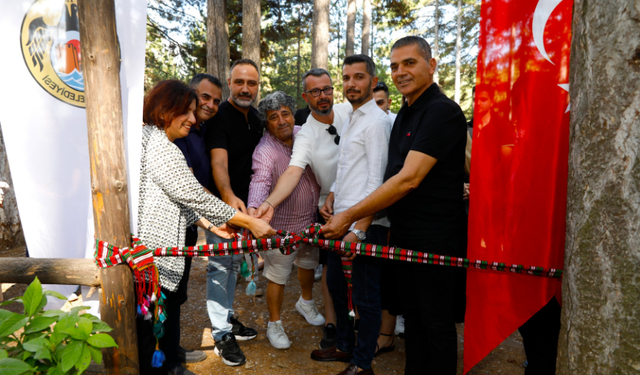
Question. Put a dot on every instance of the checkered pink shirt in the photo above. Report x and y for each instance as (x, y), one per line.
(270, 159)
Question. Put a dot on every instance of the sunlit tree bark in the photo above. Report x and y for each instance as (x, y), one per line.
(366, 27)
(218, 42)
(320, 42)
(351, 27)
(251, 34)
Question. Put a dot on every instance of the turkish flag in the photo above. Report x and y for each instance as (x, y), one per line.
(518, 166)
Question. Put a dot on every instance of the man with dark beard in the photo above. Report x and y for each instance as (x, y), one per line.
(316, 146)
(361, 166)
(234, 133)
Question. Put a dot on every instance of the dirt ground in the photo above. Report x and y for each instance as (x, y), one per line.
(263, 359)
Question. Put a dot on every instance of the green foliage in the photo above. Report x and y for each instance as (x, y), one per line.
(287, 24)
(286, 46)
(29, 345)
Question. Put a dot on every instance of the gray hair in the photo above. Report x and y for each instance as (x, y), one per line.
(273, 102)
(420, 42)
(316, 72)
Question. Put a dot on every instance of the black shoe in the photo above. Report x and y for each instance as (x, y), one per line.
(328, 336)
(229, 351)
(241, 332)
(180, 370)
(191, 356)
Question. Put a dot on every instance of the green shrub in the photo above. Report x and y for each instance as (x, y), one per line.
(67, 348)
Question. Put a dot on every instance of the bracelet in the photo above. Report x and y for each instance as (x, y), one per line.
(210, 226)
(267, 202)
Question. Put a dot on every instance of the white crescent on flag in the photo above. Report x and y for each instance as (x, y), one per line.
(540, 17)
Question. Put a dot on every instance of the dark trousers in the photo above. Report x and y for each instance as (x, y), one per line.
(540, 338)
(427, 294)
(170, 342)
(365, 277)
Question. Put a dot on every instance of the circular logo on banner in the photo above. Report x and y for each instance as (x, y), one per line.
(50, 41)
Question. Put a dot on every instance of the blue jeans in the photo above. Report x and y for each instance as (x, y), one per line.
(222, 273)
(365, 277)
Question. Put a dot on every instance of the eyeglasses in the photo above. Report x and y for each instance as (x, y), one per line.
(333, 131)
(316, 92)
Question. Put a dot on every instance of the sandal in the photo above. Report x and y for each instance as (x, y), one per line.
(386, 349)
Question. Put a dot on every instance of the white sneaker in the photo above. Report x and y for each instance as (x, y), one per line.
(317, 273)
(310, 312)
(277, 337)
(399, 325)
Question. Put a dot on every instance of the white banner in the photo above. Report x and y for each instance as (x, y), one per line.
(44, 121)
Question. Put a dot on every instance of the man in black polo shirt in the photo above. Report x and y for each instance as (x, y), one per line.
(233, 134)
(422, 194)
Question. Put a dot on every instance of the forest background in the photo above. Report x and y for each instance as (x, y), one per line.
(177, 40)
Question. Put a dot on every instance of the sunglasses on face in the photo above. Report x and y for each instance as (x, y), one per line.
(316, 92)
(333, 131)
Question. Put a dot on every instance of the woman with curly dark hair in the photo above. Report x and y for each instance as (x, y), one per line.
(171, 199)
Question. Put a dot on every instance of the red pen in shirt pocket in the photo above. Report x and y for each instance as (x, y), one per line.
(409, 134)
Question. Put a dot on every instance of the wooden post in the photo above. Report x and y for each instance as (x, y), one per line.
(109, 191)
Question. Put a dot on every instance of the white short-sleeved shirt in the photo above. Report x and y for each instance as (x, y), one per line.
(316, 148)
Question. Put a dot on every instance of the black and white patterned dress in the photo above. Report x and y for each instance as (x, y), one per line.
(171, 199)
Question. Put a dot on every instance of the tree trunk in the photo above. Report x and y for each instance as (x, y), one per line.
(458, 53)
(351, 28)
(436, 17)
(298, 83)
(251, 30)
(109, 189)
(251, 34)
(339, 38)
(373, 38)
(218, 42)
(10, 226)
(320, 43)
(366, 26)
(601, 285)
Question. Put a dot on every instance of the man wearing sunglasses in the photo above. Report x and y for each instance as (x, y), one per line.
(316, 146)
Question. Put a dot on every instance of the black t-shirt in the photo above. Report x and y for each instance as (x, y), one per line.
(429, 215)
(229, 130)
(301, 115)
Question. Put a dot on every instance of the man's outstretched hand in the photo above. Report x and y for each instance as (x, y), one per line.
(264, 212)
(337, 226)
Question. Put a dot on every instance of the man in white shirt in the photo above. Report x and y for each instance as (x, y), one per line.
(381, 96)
(361, 165)
(316, 146)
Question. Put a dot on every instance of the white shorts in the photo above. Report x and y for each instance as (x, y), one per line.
(277, 266)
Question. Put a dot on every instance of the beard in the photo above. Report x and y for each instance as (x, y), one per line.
(318, 111)
(358, 99)
(243, 100)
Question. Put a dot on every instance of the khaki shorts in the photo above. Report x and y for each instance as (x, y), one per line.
(277, 266)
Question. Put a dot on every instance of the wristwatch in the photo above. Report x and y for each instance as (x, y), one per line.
(360, 235)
